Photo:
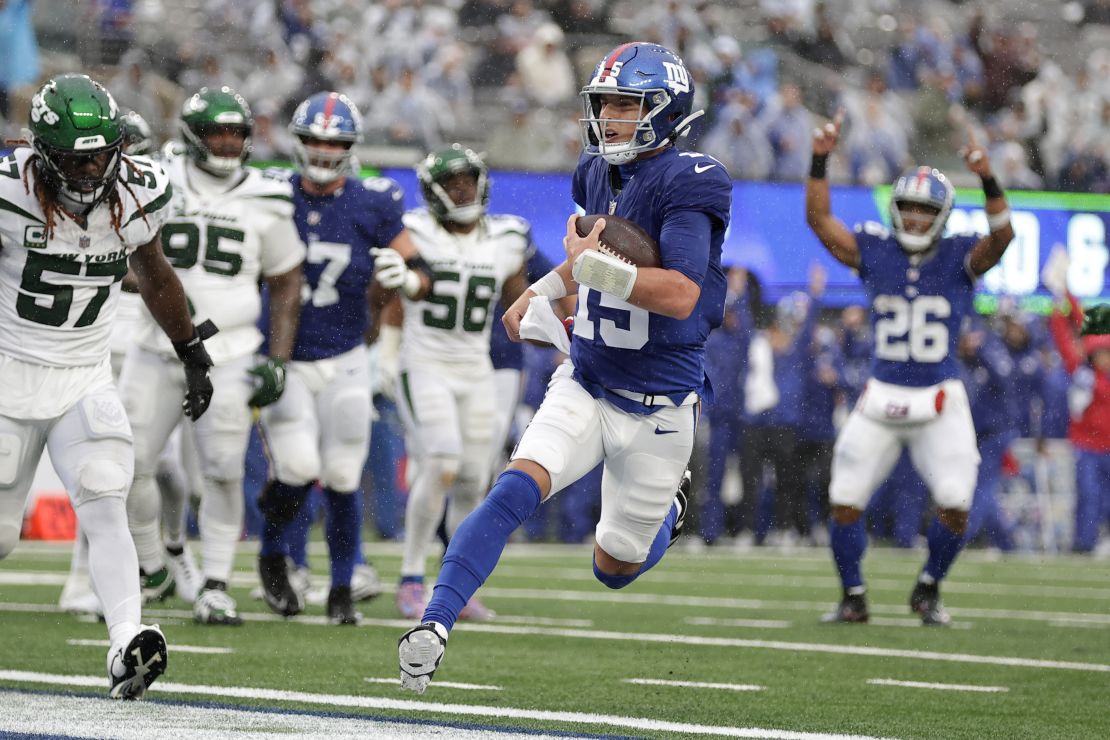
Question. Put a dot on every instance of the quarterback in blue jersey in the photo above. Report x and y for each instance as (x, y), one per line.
(920, 285)
(630, 394)
(319, 429)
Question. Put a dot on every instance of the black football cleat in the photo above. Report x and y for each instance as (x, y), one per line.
(925, 601)
(277, 591)
(341, 608)
(132, 668)
(852, 609)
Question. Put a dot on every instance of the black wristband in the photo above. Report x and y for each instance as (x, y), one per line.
(419, 264)
(991, 189)
(818, 166)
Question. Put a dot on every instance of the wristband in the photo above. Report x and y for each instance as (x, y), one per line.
(991, 188)
(550, 286)
(604, 273)
(818, 166)
(998, 221)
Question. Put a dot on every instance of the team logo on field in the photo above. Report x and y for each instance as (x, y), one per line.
(34, 237)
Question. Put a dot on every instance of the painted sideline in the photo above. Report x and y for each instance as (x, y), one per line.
(423, 707)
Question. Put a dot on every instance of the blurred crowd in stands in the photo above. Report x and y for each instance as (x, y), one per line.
(503, 75)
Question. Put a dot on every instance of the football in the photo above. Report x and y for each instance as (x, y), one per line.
(623, 239)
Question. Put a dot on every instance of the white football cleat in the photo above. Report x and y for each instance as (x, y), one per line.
(420, 650)
(78, 597)
(134, 667)
(365, 583)
(185, 573)
(214, 606)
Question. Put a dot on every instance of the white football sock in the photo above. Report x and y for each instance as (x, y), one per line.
(221, 524)
(113, 564)
(142, 515)
(423, 512)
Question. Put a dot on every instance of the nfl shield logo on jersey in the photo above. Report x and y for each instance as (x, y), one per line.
(84, 242)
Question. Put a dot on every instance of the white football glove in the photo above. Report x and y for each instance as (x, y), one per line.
(392, 273)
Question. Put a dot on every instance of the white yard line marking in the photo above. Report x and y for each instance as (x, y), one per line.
(413, 706)
(685, 640)
(754, 623)
(940, 686)
(440, 684)
(960, 585)
(694, 684)
(173, 647)
(54, 715)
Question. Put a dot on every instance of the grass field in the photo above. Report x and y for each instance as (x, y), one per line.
(709, 644)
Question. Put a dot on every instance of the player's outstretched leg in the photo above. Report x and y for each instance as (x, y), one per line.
(470, 558)
(133, 666)
(343, 531)
(669, 532)
(946, 539)
(848, 540)
(279, 503)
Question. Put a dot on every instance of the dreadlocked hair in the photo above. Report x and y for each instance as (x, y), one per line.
(52, 209)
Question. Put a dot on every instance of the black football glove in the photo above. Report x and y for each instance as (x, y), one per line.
(193, 355)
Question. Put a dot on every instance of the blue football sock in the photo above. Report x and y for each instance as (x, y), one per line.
(658, 548)
(944, 546)
(478, 542)
(296, 534)
(360, 558)
(848, 543)
(281, 498)
(343, 532)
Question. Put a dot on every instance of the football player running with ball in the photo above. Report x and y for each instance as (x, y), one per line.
(630, 394)
(76, 215)
(921, 286)
(230, 226)
(446, 393)
(320, 427)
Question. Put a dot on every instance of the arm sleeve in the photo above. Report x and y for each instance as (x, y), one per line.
(1064, 339)
(684, 243)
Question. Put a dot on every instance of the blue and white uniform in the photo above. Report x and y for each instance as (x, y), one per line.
(915, 397)
(320, 427)
(629, 395)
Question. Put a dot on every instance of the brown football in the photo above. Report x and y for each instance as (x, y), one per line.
(624, 239)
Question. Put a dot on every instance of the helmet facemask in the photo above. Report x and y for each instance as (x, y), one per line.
(66, 175)
(934, 197)
(651, 103)
(464, 214)
(434, 172)
(322, 165)
(198, 151)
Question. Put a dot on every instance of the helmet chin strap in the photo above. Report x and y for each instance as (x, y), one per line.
(625, 157)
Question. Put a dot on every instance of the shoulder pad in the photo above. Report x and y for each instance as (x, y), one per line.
(506, 223)
(277, 173)
(377, 184)
(258, 184)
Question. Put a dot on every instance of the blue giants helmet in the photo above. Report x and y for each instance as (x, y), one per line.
(662, 85)
(928, 187)
(326, 116)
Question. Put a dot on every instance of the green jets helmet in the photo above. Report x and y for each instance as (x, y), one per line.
(137, 138)
(208, 109)
(434, 171)
(73, 118)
